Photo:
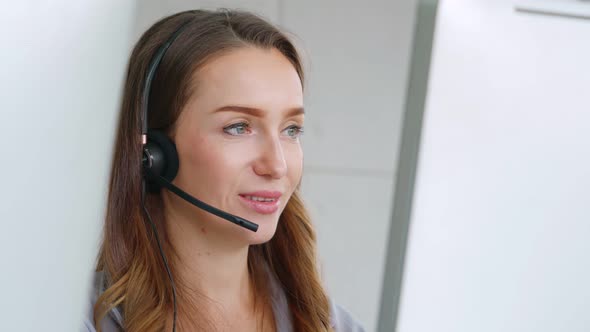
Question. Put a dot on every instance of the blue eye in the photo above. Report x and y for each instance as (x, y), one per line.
(294, 131)
(237, 129)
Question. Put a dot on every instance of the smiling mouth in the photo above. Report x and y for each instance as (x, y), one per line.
(262, 204)
(259, 199)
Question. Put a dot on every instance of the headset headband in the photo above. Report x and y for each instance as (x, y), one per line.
(151, 72)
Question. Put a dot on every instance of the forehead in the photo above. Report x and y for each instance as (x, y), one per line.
(248, 76)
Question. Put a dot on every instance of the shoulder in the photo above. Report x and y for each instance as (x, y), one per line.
(342, 320)
(112, 321)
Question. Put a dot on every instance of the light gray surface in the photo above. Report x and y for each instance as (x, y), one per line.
(60, 61)
(407, 162)
(499, 231)
(577, 9)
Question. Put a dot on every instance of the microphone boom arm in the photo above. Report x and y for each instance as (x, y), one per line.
(202, 205)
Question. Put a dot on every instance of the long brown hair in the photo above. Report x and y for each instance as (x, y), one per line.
(136, 280)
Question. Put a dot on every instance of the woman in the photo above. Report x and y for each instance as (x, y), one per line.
(228, 93)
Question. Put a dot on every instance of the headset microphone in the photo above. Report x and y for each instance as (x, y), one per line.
(161, 181)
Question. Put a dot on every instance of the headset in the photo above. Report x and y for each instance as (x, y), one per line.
(160, 162)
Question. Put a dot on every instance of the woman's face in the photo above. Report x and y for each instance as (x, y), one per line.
(238, 142)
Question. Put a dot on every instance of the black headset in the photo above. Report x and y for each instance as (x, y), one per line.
(160, 163)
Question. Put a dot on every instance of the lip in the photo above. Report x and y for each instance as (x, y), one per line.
(264, 193)
(262, 207)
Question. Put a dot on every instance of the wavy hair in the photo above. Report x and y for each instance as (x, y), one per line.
(136, 280)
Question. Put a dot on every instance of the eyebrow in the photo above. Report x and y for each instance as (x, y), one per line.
(256, 111)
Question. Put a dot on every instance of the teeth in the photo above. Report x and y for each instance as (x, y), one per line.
(260, 199)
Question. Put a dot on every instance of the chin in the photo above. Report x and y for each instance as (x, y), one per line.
(264, 234)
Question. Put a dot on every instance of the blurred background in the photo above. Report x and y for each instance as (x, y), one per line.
(447, 155)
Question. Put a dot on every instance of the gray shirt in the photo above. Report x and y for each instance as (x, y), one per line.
(341, 320)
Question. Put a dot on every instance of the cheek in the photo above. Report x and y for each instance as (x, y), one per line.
(212, 162)
(199, 153)
(202, 162)
(294, 158)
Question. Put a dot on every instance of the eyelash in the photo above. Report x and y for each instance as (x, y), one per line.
(234, 126)
(299, 129)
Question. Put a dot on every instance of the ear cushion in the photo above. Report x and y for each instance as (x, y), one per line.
(159, 140)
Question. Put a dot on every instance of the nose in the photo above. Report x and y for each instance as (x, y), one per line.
(271, 161)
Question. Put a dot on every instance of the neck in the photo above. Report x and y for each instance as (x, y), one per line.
(213, 266)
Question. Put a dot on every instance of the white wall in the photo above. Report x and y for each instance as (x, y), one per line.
(500, 226)
(356, 55)
(149, 11)
(60, 61)
(358, 64)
